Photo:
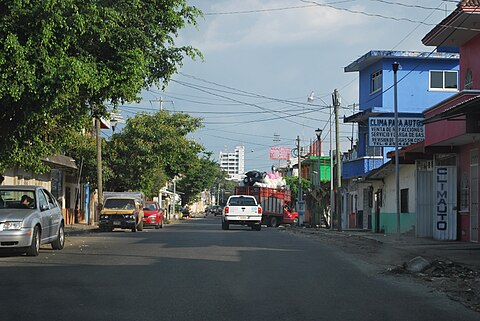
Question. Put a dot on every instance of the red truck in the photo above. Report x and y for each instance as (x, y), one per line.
(275, 204)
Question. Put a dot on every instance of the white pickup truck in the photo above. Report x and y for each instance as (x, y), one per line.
(242, 210)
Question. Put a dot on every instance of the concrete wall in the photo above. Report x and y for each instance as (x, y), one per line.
(469, 60)
(22, 177)
(388, 212)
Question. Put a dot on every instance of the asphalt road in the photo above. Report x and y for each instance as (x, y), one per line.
(196, 271)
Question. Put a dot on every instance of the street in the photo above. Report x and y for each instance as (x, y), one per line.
(194, 270)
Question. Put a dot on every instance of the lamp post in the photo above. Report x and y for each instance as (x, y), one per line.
(318, 132)
(395, 67)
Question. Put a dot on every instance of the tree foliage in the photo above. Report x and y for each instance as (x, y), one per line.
(61, 60)
(202, 175)
(292, 181)
(83, 149)
(151, 149)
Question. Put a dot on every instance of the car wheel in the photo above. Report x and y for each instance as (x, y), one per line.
(273, 221)
(257, 227)
(134, 228)
(59, 243)
(34, 248)
(157, 226)
(225, 225)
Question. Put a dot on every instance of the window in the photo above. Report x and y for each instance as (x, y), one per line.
(443, 80)
(50, 199)
(404, 200)
(376, 82)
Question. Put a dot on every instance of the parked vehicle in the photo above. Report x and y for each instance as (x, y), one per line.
(275, 204)
(216, 210)
(242, 210)
(30, 216)
(186, 211)
(153, 215)
(207, 209)
(122, 210)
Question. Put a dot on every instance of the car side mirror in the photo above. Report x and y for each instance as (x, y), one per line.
(44, 207)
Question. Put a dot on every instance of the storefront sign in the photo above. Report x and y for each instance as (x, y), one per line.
(381, 131)
(441, 206)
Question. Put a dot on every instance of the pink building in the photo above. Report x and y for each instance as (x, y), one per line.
(453, 126)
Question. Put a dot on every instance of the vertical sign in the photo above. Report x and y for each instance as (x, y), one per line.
(301, 207)
(444, 207)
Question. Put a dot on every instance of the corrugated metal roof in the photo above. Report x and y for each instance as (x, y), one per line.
(457, 28)
(373, 56)
(469, 3)
(456, 110)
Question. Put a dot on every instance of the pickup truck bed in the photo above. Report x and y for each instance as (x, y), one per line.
(242, 210)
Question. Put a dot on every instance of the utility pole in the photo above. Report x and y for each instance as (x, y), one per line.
(331, 171)
(318, 133)
(99, 165)
(161, 101)
(338, 201)
(300, 192)
(395, 67)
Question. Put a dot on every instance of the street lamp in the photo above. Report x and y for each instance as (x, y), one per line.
(318, 132)
(395, 67)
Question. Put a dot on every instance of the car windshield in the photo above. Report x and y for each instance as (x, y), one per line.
(242, 201)
(119, 204)
(17, 199)
(151, 207)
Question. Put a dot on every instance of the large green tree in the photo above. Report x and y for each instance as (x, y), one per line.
(151, 149)
(199, 176)
(61, 60)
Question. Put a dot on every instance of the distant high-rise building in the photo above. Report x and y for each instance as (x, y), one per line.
(233, 163)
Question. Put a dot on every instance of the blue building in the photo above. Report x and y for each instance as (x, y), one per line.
(423, 80)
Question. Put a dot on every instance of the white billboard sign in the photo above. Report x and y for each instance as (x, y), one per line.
(381, 131)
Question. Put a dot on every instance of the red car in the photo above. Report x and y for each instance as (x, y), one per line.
(153, 215)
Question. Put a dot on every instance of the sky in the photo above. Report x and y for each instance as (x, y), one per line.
(264, 58)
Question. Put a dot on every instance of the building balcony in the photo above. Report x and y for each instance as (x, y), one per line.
(360, 166)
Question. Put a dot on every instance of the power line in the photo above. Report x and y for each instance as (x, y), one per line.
(376, 15)
(265, 10)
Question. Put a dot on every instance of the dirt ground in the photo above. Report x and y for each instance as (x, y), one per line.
(459, 283)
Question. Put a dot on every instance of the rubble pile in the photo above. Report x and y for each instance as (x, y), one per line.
(460, 283)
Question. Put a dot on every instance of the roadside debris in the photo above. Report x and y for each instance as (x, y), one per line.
(459, 282)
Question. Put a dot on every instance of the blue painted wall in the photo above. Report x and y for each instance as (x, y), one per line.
(414, 95)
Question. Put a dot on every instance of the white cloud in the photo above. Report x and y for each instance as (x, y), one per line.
(274, 28)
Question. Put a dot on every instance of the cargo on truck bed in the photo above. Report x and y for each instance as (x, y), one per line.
(275, 203)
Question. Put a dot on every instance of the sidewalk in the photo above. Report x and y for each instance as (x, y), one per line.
(464, 253)
(80, 228)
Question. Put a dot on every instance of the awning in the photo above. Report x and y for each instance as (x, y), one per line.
(469, 106)
(60, 162)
